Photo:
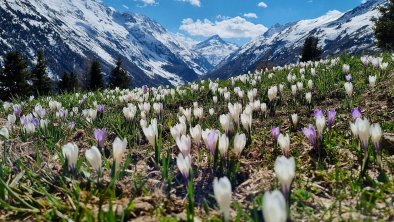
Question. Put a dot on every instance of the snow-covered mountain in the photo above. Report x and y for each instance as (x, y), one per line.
(215, 49)
(74, 32)
(338, 32)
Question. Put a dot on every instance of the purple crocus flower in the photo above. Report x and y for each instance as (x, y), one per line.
(17, 110)
(356, 113)
(310, 134)
(145, 88)
(348, 77)
(100, 136)
(212, 140)
(331, 116)
(35, 122)
(318, 113)
(275, 131)
(100, 108)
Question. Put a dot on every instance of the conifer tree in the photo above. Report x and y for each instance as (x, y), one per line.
(64, 83)
(41, 82)
(96, 76)
(311, 51)
(14, 77)
(119, 77)
(384, 27)
(73, 82)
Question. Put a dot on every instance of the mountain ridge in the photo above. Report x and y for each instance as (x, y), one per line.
(338, 32)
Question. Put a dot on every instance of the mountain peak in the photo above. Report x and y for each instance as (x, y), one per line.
(215, 49)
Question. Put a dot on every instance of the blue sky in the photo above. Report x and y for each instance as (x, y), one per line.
(234, 20)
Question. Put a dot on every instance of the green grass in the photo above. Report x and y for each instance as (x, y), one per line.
(34, 186)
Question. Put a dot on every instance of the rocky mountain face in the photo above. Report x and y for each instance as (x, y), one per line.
(215, 49)
(338, 32)
(74, 32)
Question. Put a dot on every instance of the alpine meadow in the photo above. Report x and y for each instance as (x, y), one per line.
(194, 110)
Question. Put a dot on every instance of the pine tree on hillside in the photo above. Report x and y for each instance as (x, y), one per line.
(64, 83)
(41, 82)
(384, 27)
(96, 76)
(74, 85)
(14, 77)
(311, 50)
(119, 77)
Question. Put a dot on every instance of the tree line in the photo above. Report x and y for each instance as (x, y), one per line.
(17, 79)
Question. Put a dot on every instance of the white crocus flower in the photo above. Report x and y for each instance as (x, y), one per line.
(285, 171)
(184, 144)
(93, 156)
(284, 143)
(223, 145)
(239, 143)
(119, 147)
(184, 164)
(275, 207)
(70, 153)
(222, 191)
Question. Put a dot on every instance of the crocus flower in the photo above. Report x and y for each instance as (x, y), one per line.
(284, 143)
(348, 77)
(93, 156)
(239, 143)
(285, 171)
(29, 128)
(184, 144)
(227, 123)
(129, 112)
(17, 110)
(222, 191)
(275, 131)
(363, 129)
(318, 113)
(4, 132)
(235, 110)
(196, 134)
(331, 116)
(275, 207)
(100, 135)
(349, 89)
(11, 119)
(272, 93)
(70, 153)
(308, 97)
(376, 135)
(294, 119)
(223, 145)
(320, 124)
(151, 132)
(184, 164)
(356, 113)
(210, 138)
(119, 147)
(246, 120)
(100, 108)
(372, 81)
(310, 134)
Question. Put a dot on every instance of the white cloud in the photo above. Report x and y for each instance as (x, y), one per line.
(184, 40)
(250, 15)
(363, 1)
(125, 6)
(147, 2)
(236, 27)
(192, 2)
(262, 5)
